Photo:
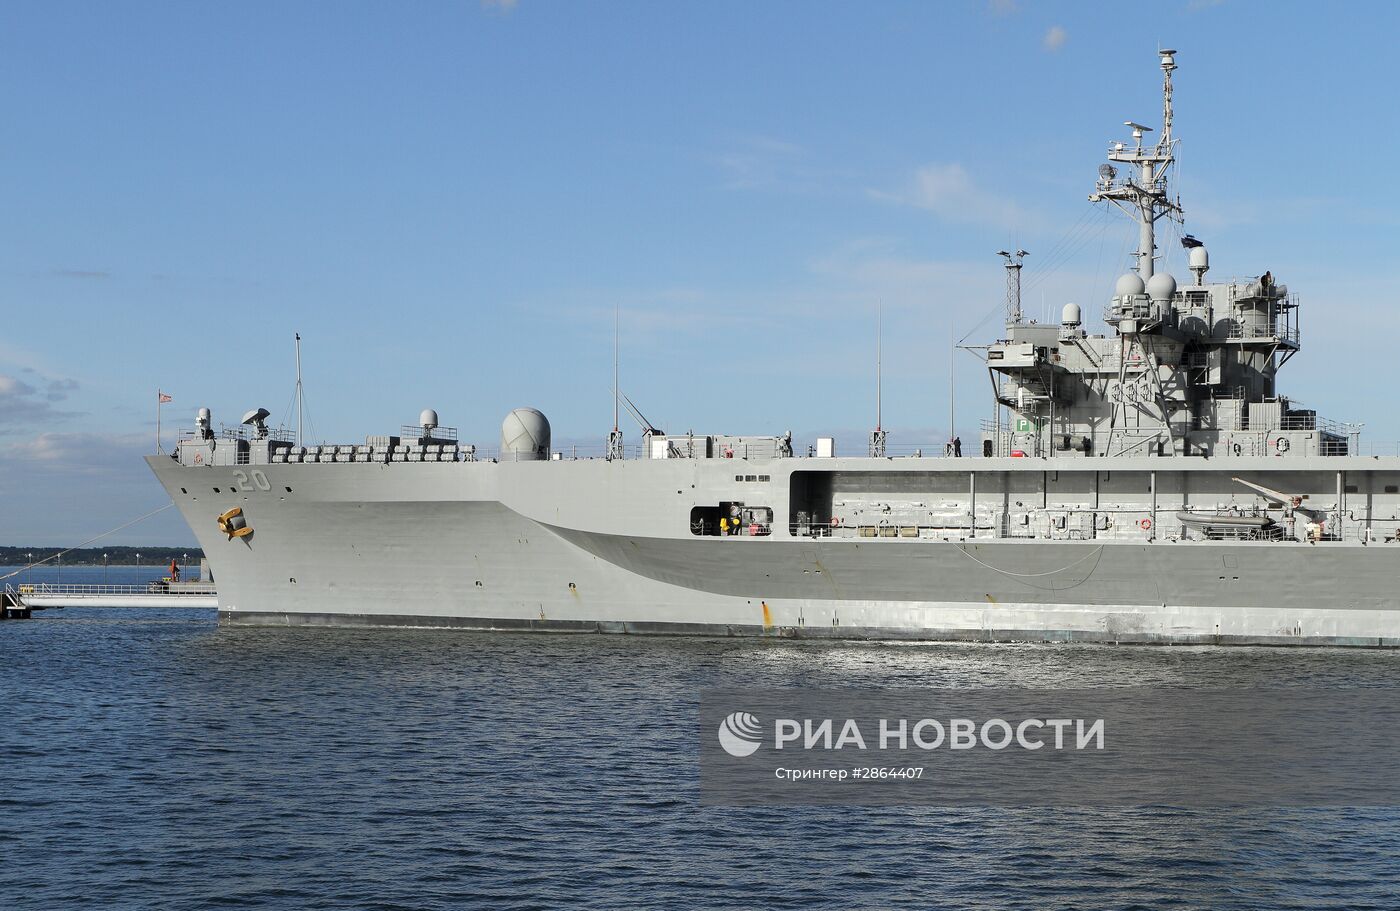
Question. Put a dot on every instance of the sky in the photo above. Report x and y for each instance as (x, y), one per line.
(451, 202)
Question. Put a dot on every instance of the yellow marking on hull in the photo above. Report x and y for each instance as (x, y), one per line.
(767, 616)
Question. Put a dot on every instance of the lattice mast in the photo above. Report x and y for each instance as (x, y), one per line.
(1013, 284)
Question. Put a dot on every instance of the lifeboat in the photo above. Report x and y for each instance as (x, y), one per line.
(1224, 520)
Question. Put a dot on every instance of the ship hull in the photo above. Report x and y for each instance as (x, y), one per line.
(494, 547)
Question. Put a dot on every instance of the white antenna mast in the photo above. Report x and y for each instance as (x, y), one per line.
(300, 403)
(878, 435)
(615, 436)
(952, 417)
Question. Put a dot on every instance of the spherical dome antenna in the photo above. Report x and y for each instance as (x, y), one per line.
(1161, 286)
(1129, 283)
(525, 436)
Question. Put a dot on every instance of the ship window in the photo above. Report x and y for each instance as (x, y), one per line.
(1352, 488)
(1391, 488)
(738, 477)
(183, 490)
(750, 477)
(216, 490)
(289, 490)
(764, 477)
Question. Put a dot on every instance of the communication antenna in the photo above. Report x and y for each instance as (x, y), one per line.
(952, 417)
(615, 436)
(878, 435)
(647, 426)
(300, 401)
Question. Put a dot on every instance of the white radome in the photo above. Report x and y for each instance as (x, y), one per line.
(524, 436)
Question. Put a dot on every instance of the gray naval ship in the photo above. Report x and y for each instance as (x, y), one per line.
(1147, 484)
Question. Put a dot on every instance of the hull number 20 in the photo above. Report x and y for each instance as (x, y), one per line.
(252, 480)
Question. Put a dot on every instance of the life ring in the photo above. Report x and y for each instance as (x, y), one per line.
(198, 458)
(1281, 444)
(729, 453)
(835, 522)
(1238, 449)
(1145, 524)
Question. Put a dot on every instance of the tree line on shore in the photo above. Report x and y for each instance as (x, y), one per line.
(97, 556)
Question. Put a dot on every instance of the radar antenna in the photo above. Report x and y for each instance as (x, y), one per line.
(1144, 197)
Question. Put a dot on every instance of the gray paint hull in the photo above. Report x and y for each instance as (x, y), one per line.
(542, 547)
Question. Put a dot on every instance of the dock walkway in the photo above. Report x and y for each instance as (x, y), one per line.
(20, 600)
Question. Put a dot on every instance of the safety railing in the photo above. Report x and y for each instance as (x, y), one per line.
(1297, 421)
(1283, 330)
(176, 589)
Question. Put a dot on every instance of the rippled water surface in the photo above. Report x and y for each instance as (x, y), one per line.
(155, 760)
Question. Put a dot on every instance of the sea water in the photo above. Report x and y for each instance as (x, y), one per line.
(152, 759)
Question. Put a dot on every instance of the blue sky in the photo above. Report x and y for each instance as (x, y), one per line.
(449, 199)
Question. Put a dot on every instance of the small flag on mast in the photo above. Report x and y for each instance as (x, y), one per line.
(162, 398)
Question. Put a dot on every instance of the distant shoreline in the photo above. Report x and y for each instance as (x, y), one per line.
(53, 564)
(101, 556)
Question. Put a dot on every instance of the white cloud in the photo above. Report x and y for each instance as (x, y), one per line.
(949, 192)
(1055, 38)
(777, 166)
(1003, 7)
(80, 453)
(759, 161)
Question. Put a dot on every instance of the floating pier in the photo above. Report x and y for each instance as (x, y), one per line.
(19, 601)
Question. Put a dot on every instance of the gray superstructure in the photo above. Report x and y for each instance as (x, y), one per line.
(1149, 484)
